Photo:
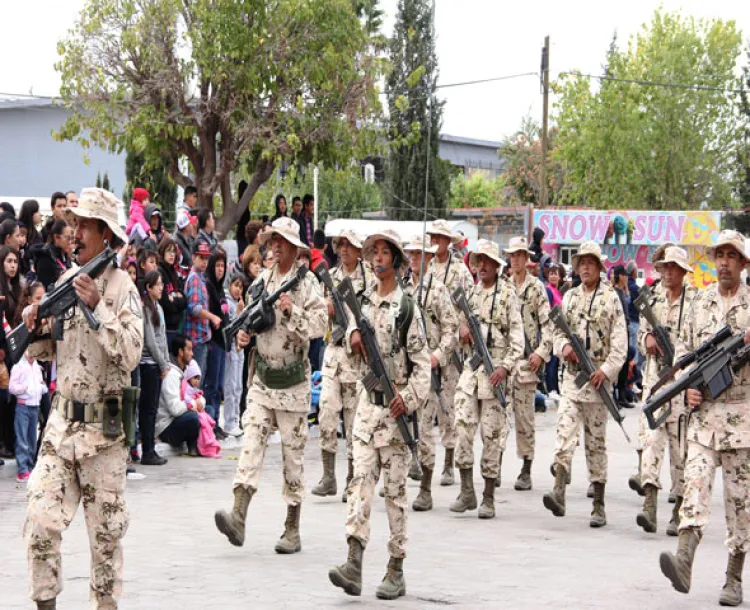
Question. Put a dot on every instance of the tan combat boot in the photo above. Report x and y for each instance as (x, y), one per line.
(634, 482)
(349, 477)
(423, 501)
(232, 525)
(448, 477)
(393, 585)
(678, 568)
(47, 604)
(555, 501)
(731, 594)
(467, 499)
(647, 517)
(290, 542)
(415, 472)
(598, 516)
(674, 522)
(523, 482)
(348, 575)
(499, 470)
(327, 485)
(487, 509)
(567, 478)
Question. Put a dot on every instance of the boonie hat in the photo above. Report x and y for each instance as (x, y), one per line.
(517, 244)
(728, 238)
(415, 244)
(489, 249)
(96, 203)
(589, 248)
(675, 255)
(288, 228)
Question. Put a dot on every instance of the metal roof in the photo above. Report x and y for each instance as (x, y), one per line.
(14, 103)
(444, 137)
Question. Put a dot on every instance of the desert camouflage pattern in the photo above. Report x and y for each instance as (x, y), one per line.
(718, 433)
(522, 396)
(601, 311)
(668, 435)
(475, 402)
(76, 461)
(452, 274)
(377, 444)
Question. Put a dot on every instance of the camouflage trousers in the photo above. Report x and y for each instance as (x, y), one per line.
(700, 467)
(522, 400)
(336, 397)
(58, 483)
(258, 423)
(653, 453)
(570, 415)
(643, 431)
(369, 460)
(443, 407)
(493, 425)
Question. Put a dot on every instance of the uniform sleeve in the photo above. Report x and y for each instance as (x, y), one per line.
(685, 343)
(310, 320)
(418, 387)
(121, 330)
(516, 343)
(544, 350)
(448, 319)
(559, 340)
(618, 343)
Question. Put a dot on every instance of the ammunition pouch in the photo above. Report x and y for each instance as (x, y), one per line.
(287, 376)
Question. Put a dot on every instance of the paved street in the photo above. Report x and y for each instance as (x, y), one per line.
(525, 558)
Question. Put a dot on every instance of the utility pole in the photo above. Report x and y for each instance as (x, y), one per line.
(545, 113)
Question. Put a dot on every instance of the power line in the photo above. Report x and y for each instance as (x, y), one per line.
(649, 83)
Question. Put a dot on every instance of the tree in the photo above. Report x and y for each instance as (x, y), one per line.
(631, 144)
(220, 84)
(744, 154)
(151, 175)
(414, 114)
(105, 181)
(478, 191)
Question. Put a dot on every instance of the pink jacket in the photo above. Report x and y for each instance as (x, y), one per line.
(208, 446)
(27, 382)
(137, 222)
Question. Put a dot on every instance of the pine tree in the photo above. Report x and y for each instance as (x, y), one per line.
(414, 112)
(105, 182)
(98, 180)
(155, 179)
(744, 158)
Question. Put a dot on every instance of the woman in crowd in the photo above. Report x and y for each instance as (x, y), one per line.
(173, 300)
(280, 207)
(10, 290)
(268, 259)
(251, 267)
(154, 365)
(555, 275)
(216, 361)
(30, 217)
(55, 257)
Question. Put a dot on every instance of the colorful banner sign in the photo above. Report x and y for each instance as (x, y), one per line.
(694, 228)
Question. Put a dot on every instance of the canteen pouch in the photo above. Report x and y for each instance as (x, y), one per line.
(112, 417)
(130, 397)
(282, 378)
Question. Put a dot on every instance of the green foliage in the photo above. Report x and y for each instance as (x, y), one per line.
(628, 145)
(105, 182)
(98, 180)
(154, 177)
(478, 191)
(222, 85)
(744, 153)
(412, 104)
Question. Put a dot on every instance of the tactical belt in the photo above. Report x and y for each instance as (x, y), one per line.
(282, 378)
(86, 412)
(377, 398)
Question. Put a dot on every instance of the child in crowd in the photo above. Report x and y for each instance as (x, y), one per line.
(27, 385)
(137, 222)
(208, 446)
(235, 362)
(132, 269)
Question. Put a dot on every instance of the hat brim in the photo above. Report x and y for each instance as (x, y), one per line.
(445, 233)
(601, 259)
(519, 249)
(659, 265)
(473, 256)
(427, 249)
(370, 242)
(82, 212)
(354, 243)
(269, 232)
(711, 251)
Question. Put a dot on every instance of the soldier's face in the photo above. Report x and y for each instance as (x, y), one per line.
(518, 262)
(729, 265)
(415, 261)
(283, 251)
(348, 253)
(588, 270)
(89, 239)
(382, 260)
(487, 269)
(672, 275)
(442, 242)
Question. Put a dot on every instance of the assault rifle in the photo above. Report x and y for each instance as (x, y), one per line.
(481, 349)
(642, 304)
(715, 362)
(378, 377)
(340, 319)
(457, 360)
(587, 367)
(259, 315)
(59, 304)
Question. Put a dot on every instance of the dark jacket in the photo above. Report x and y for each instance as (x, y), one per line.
(148, 243)
(174, 309)
(210, 239)
(185, 244)
(302, 220)
(217, 304)
(49, 262)
(634, 290)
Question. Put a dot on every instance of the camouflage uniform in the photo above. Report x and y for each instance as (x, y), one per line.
(671, 317)
(441, 323)
(600, 313)
(537, 330)
(76, 460)
(718, 433)
(286, 342)
(475, 401)
(341, 370)
(377, 443)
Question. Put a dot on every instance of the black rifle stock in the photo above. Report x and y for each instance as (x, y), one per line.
(60, 300)
(715, 361)
(643, 305)
(340, 320)
(587, 367)
(482, 356)
(378, 375)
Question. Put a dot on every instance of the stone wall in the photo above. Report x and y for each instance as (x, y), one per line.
(496, 224)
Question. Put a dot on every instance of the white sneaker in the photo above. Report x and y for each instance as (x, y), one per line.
(235, 432)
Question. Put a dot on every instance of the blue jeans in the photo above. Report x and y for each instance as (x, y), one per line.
(26, 420)
(214, 380)
(148, 404)
(633, 343)
(551, 378)
(183, 429)
(200, 355)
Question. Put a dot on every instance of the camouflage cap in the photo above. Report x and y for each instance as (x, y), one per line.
(517, 244)
(388, 235)
(288, 228)
(440, 227)
(415, 244)
(659, 252)
(350, 236)
(589, 248)
(489, 249)
(730, 238)
(96, 203)
(675, 255)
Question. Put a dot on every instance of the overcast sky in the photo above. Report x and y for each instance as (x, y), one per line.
(475, 39)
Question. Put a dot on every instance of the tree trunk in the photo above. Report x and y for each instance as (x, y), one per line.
(233, 210)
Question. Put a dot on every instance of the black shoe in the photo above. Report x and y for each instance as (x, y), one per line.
(130, 470)
(6, 453)
(134, 457)
(153, 459)
(2, 462)
(220, 434)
